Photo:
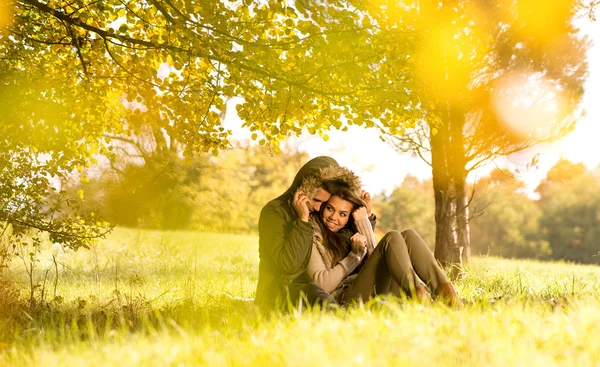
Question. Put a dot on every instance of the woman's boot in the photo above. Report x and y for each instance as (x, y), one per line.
(447, 294)
(422, 295)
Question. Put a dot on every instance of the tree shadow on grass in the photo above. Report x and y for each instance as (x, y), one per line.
(89, 319)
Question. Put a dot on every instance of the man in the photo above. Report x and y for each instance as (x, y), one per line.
(285, 237)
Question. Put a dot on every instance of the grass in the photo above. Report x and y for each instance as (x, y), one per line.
(172, 298)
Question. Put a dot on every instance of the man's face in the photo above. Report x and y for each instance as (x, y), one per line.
(320, 197)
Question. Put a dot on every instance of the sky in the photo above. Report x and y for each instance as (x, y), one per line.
(382, 168)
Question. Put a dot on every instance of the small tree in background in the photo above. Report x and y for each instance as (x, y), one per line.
(570, 205)
(409, 205)
(508, 221)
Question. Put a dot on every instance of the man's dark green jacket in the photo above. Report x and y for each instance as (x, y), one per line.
(285, 241)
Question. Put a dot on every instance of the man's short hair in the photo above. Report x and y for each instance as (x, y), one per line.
(335, 185)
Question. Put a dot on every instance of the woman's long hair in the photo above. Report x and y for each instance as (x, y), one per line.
(335, 241)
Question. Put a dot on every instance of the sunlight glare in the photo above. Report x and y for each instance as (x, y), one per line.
(5, 14)
(451, 51)
(536, 16)
(527, 104)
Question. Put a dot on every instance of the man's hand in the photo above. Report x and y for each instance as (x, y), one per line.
(366, 197)
(300, 204)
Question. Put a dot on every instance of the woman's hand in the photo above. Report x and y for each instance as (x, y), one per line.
(358, 239)
(359, 245)
(360, 213)
(366, 197)
(300, 204)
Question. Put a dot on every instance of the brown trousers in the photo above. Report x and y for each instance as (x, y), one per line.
(400, 262)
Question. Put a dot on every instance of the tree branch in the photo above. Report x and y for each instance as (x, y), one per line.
(163, 11)
(192, 52)
(46, 227)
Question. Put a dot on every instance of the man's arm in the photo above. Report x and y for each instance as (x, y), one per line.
(287, 243)
(373, 220)
(366, 197)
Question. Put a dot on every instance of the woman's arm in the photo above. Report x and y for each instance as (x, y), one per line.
(363, 226)
(329, 279)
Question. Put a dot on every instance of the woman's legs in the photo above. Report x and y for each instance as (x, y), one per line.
(428, 269)
(390, 263)
(423, 261)
(400, 260)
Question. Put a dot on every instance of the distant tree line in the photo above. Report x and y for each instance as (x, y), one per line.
(563, 224)
(150, 184)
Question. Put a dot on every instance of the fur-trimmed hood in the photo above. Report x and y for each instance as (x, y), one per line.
(318, 170)
(310, 184)
(310, 170)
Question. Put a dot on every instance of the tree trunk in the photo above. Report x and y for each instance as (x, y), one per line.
(459, 176)
(462, 222)
(452, 239)
(445, 240)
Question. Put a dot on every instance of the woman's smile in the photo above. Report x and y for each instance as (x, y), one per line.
(331, 224)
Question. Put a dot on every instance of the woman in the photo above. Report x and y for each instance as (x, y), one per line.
(399, 262)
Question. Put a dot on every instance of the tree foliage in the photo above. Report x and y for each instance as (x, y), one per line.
(562, 224)
(491, 79)
(89, 72)
(570, 203)
(289, 66)
(42, 142)
(76, 74)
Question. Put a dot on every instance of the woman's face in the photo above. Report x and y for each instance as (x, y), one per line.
(336, 213)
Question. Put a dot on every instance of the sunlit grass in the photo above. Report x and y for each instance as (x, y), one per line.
(170, 298)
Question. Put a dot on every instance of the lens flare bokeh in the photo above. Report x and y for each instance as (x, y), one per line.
(527, 104)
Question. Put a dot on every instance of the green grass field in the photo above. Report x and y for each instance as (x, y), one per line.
(172, 299)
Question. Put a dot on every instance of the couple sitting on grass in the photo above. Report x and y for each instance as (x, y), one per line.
(317, 246)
